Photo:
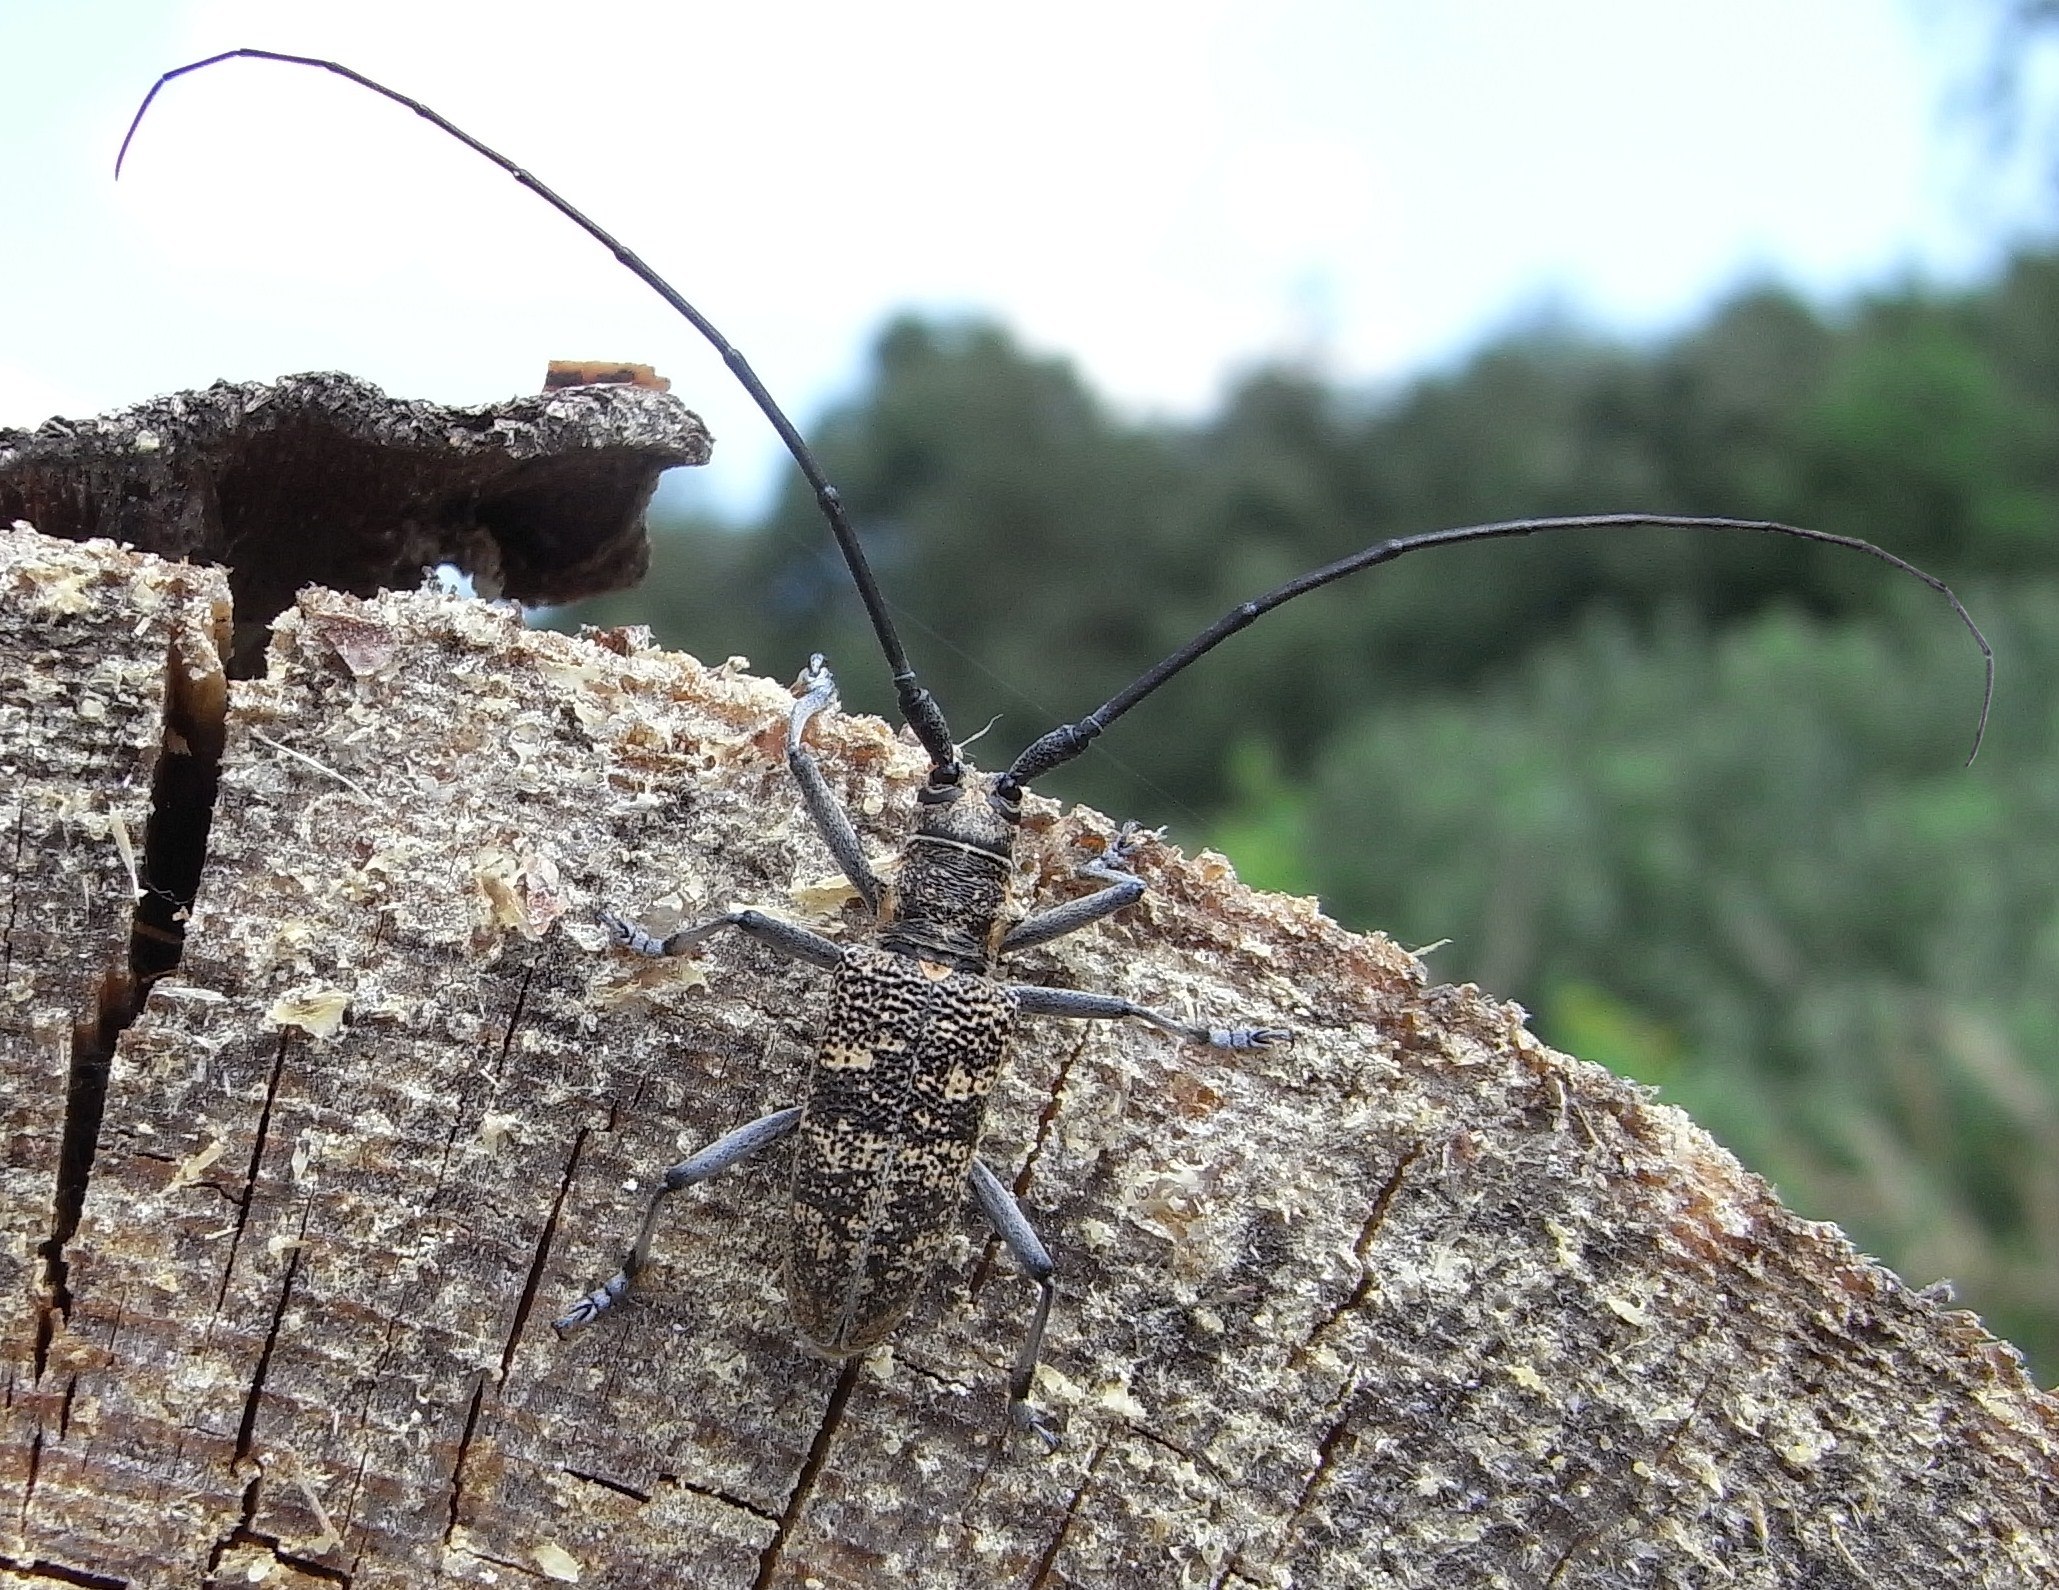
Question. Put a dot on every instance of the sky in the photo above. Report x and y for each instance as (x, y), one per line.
(1166, 194)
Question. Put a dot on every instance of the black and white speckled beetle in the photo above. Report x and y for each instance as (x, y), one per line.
(887, 1136)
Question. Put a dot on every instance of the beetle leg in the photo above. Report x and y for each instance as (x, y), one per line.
(998, 1204)
(796, 942)
(733, 1148)
(1112, 868)
(1076, 1005)
(832, 822)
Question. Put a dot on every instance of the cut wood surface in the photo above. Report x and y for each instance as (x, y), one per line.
(1414, 1302)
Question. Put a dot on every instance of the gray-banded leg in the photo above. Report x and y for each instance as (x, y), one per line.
(1111, 867)
(789, 940)
(1077, 1006)
(832, 822)
(733, 1148)
(998, 1204)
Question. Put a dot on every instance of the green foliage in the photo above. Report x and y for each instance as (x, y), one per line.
(1266, 823)
(1595, 1025)
(1694, 798)
(1749, 868)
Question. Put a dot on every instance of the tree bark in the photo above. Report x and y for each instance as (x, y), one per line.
(324, 479)
(1414, 1302)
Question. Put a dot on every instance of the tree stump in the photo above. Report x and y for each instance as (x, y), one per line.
(1414, 1302)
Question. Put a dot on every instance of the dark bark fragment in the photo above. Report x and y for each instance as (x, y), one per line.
(323, 479)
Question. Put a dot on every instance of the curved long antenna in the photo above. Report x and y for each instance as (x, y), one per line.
(918, 707)
(1068, 740)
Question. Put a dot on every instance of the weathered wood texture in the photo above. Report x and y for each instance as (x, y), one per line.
(324, 479)
(1415, 1302)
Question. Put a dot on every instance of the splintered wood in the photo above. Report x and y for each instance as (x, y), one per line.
(1414, 1302)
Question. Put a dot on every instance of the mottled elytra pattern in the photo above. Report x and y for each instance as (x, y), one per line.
(895, 1105)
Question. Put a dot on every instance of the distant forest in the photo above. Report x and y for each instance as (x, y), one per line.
(1694, 800)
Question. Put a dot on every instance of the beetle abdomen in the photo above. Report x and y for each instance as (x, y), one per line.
(895, 1104)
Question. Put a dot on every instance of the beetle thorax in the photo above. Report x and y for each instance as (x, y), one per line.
(949, 901)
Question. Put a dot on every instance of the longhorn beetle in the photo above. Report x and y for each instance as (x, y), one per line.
(887, 1135)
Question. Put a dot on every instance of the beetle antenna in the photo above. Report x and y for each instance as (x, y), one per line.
(918, 707)
(1068, 740)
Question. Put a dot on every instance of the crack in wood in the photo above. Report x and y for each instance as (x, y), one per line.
(312, 1567)
(507, 1041)
(644, 1498)
(714, 1495)
(1047, 1117)
(528, 1570)
(434, 1196)
(257, 1154)
(28, 1484)
(1234, 1573)
(241, 1527)
(934, 1376)
(1573, 1548)
(1375, 1219)
(619, 1487)
(1048, 1562)
(457, 1468)
(183, 789)
(192, 732)
(1619, 1508)
(1200, 1460)
(545, 1238)
(811, 1469)
(116, 1000)
(61, 1573)
(1333, 1437)
(246, 1428)
(349, 1509)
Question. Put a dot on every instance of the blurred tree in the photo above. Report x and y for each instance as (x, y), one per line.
(2011, 88)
